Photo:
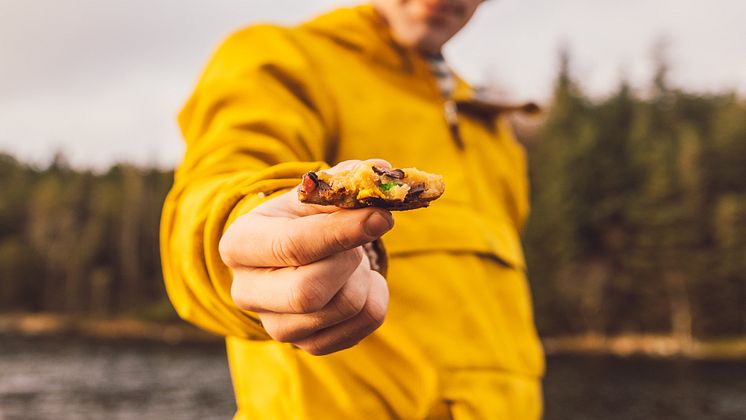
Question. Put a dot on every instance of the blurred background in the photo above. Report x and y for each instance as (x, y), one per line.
(636, 244)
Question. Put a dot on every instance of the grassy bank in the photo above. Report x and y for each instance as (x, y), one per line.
(659, 346)
(648, 345)
(104, 329)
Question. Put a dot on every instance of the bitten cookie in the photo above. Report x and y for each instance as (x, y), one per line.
(368, 185)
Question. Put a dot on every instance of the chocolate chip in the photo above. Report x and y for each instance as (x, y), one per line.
(391, 173)
(416, 190)
(396, 173)
(323, 186)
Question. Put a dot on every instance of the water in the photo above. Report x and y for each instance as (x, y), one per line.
(584, 388)
(73, 379)
(64, 379)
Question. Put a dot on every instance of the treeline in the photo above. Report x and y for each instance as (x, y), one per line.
(80, 242)
(639, 212)
(638, 222)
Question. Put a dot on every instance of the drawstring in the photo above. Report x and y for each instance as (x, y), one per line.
(451, 113)
(446, 84)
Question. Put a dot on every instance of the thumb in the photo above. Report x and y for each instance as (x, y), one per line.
(264, 241)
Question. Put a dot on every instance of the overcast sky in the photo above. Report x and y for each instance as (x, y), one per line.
(102, 81)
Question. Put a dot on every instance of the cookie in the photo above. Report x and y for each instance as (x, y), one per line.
(368, 185)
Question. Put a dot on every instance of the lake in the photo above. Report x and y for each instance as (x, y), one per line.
(77, 379)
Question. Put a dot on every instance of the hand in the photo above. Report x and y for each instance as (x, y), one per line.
(301, 268)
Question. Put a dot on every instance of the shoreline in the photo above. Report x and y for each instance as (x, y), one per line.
(648, 345)
(110, 329)
(179, 332)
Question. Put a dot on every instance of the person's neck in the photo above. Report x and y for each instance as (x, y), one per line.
(425, 51)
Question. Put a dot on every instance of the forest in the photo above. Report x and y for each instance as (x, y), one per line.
(638, 221)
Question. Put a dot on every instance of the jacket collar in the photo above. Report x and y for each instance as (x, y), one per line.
(360, 28)
(363, 29)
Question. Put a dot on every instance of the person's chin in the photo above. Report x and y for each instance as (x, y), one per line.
(423, 37)
(429, 45)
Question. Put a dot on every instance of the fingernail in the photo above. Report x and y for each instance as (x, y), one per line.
(378, 223)
(380, 163)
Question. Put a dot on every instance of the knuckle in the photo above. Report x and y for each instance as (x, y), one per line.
(348, 344)
(375, 315)
(350, 304)
(225, 248)
(278, 332)
(353, 257)
(316, 348)
(285, 249)
(306, 298)
(341, 239)
(240, 298)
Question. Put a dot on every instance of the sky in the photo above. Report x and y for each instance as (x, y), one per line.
(102, 81)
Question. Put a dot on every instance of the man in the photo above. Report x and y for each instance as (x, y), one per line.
(297, 290)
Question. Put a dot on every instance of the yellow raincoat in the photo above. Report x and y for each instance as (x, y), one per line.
(459, 340)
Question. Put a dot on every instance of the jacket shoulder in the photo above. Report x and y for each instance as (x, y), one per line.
(254, 34)
(256, 47)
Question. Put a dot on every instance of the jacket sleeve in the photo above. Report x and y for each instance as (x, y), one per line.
(257, 121)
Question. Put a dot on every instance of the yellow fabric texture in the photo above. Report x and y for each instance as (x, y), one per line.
(276, 102)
